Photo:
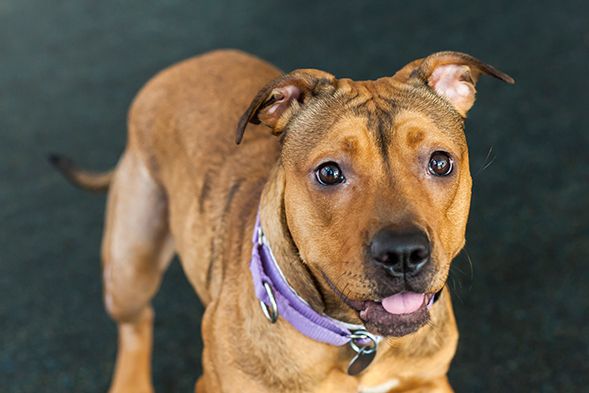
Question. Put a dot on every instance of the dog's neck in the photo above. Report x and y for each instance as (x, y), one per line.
(273, 219)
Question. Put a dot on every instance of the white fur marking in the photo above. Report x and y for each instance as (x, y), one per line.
(383, 388)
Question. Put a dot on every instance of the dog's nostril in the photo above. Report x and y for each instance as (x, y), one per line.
(418, 256)
(387, 258)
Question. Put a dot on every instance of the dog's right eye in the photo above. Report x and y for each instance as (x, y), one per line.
(330, 174)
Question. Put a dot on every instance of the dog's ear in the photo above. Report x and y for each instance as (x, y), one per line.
(280, 99)
(452, 75)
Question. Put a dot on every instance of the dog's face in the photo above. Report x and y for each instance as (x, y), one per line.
(377, 183)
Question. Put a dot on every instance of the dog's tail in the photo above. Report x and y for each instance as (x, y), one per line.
(97, 182)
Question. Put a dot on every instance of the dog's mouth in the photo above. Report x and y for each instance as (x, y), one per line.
(397, 315)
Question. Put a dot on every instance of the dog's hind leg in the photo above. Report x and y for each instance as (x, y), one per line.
(137, 248)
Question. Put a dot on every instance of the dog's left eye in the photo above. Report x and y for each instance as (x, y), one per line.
(440, 164)
(330, 174)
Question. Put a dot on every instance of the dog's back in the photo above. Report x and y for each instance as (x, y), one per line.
(183, 124)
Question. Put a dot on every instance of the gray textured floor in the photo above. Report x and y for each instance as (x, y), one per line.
(69, 68)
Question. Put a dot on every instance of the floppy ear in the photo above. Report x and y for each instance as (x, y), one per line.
(280, 99)
(452, 75)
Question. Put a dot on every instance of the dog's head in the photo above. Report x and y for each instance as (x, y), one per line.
(376, 182)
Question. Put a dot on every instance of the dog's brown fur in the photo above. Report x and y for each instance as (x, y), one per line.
(183, 185)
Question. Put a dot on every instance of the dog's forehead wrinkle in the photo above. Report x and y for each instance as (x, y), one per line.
(383, 129)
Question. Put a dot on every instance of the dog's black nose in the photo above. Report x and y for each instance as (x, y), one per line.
(401, 252)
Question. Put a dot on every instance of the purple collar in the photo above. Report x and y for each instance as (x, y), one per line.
(278, 296)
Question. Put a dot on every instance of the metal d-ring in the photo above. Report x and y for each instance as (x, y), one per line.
(362, 335)
(272, 314)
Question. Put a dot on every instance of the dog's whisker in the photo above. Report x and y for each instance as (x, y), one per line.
(456, 268)
(456, 279)
(414, 341)
(456, 292)
(437, 336)
(393, 342)
(471, 266)
(453, 283)
(456, 273)
(483, 167)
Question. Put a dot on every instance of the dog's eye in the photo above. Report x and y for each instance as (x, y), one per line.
(440, 164)
(329, 174)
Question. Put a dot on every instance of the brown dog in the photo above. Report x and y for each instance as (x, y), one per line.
(363, 197)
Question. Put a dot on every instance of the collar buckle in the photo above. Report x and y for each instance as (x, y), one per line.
(270, 312)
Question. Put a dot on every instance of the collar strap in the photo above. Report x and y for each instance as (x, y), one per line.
(275, 292)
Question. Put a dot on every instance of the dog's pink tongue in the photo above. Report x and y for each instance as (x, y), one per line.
(403, 303)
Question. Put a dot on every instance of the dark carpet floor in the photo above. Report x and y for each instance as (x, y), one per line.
(69, 69)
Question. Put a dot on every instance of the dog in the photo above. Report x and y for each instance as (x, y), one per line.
(320, 242)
